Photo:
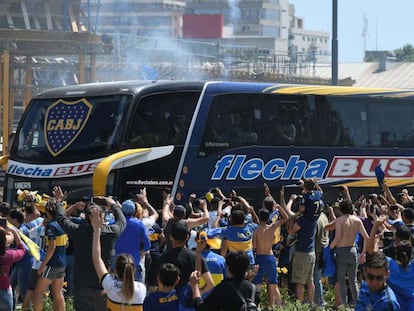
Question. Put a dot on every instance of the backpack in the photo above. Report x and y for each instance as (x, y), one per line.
(248, 303)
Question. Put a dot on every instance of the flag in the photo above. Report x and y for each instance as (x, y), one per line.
(33, 248)
(380, 175)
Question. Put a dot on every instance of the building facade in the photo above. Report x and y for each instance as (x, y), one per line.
(161, 18)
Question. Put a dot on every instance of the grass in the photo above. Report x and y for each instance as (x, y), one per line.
(289, 302)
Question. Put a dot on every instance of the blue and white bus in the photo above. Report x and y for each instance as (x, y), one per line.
(114, 138)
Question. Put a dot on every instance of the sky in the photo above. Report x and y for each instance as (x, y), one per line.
(390, 24)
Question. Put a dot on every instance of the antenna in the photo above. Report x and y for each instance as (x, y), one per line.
(365, 33)
(376, 33)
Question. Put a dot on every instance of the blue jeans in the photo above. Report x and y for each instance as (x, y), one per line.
(6, 299)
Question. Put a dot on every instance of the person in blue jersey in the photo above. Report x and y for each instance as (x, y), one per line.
(263, 239)
(375, 294)
(156, 237)
(166, 298)
(134, 239)
(238, 236)
(311, 204)
(401, 268)
(303, 261)
(216, 263)
(123, 292)
(52, 270)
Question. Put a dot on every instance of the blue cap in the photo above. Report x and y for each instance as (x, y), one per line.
(128, 207)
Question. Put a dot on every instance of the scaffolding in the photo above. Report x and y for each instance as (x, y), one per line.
(39, 38)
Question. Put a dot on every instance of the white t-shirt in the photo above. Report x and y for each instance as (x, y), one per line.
(115, 301)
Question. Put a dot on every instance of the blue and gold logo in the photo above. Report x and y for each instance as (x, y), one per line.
(64, 121)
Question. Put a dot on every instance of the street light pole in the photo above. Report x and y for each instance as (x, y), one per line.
(334, 42)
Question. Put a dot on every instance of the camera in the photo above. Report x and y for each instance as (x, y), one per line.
(388, 234)
(99, 201)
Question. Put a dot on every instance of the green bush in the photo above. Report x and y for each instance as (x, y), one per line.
(48, 304)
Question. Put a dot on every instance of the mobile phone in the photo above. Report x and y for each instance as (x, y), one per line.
(3, 222)
(99, 201)
(388, 234)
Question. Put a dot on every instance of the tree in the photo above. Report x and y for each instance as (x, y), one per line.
(405, 54)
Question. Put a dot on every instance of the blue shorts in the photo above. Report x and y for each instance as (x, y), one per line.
(267, 266)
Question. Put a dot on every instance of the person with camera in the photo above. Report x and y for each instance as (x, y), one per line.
(87, 288)
(401, 268)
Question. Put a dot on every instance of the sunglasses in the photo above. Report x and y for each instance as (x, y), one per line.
(377, 278)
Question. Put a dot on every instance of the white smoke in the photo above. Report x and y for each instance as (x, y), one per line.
(235, 12)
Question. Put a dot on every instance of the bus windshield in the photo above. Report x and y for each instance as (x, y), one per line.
(51, 128)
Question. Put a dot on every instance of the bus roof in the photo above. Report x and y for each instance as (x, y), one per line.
(119, 87)
(133, 86)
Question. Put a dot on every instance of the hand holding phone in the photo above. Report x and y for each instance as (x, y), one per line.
(99, 201)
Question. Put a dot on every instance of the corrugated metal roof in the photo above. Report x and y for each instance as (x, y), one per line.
(397, 75)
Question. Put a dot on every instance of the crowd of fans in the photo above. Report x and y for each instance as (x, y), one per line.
(214, 253)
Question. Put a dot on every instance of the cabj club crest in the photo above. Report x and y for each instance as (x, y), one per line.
(64, 121)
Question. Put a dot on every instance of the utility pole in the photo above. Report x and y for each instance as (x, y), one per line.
(334, 42)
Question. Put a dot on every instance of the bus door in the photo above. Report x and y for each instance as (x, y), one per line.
(160, 121)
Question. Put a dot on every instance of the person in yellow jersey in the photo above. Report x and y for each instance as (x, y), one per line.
(123, 292)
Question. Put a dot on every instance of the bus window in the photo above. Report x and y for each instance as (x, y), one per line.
(237, 120)
(390, 122)
(162, 119)
(66, 128)
(340, 122)
(365, 122)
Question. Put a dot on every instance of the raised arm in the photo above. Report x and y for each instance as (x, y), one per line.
(195, 222)
(317, 185)
(388, 194)
(142, 198)
(371, 241)
(98, 263)
(120, 222)
(285, 217)
(167, 210)
(347, 194)
(287, 207)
